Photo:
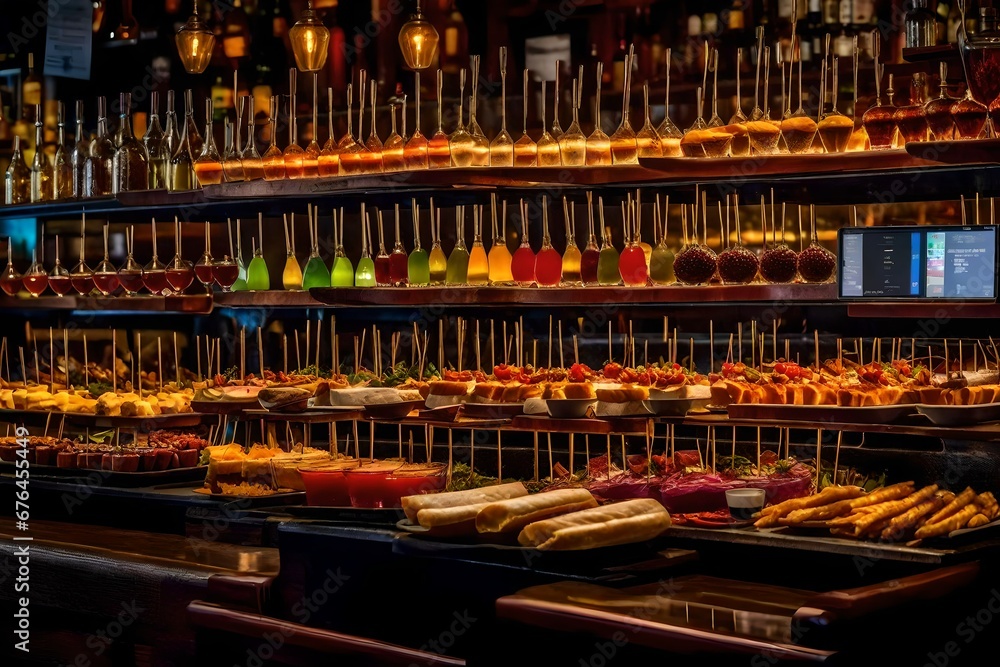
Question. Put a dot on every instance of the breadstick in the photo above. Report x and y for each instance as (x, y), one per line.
(960, 501)
(978, 520)
(988, 505)
(826, 497)
(954, 522)
(905, 523)
(892, 508)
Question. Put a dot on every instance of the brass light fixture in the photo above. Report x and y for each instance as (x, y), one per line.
(195, 43)
(418, 40)
(310, 39)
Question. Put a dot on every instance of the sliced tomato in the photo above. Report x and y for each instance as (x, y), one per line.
(612, 371)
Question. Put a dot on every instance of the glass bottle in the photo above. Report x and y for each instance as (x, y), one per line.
(548, 261)
(920, 25)
(41, 168)
(171, 135)
(457, 269)
(878, 120)
(258, 279)
(364, 276)
(194, 137)
(415, 153)
(59, 280)
(547, 146)
(981, 56)
(417, 264)
(10, 280)
(938, 111)
(35, 279)
(156, 150)
(522, 264)
(232, 163)
(799, 129)
(647, 141)
(209, 165)
(479, 263)
(740, 146)
(623, 146)
(253, 166)
(835, 129)
(557, 130)
(632, 261)
(460, 142)
(62, 167)
(911, 120)
(179, 272)
(392, 151)
(502, 147)
(608, 272)
(316, 274)
(437, 262)
(17, 179)
(98, 167)
(348, 149)
(293, 154)
(203, 267)
(154, 274)
(181, 162)
(499, 257)
(398, 268)
(79, 154)
(571, 256)
(225, 272)
(573, 143)
(598, 143)
(969, 116)
(130, 273)
(525, 149)
(371, 152)
(480, 144)
(310, 162)
(273, 162)
(131, 164)
(342, 274)
(106, 275)
(383, 266)
(661, 261)
(328, 163)
(591, 255)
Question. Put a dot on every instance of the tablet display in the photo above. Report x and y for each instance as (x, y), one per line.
(939, 262)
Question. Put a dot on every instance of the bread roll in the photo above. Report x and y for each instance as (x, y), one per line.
(488, 494)
(618, 523)
(579, 390)
(488, 392)
(510, 515)
(625, 393)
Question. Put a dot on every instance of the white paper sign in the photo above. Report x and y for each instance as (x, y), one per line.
(68, 39)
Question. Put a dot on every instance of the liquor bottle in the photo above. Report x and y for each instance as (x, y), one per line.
(31, 92)
(981, 57)
(398, 260)
(548, 261)
(17, 179)
(911, 119)
(812, 42)
(78, 157)
(170, 135)
(154, 141)
(938, 111)
(499, 256)
(920, 25)
(522, 264)
(208, 166)
(41, 168)
(455, 46)
(182, 175)
(62, 167)
(131, 164)
(98, 168)
(479, 263)
(941, 13)
(457, 270)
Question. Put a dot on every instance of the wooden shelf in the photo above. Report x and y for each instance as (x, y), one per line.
(942, 311)
(194, 304)
(267, 299)
(572, 296)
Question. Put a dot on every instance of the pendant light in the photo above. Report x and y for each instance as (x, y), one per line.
(418, 40)
(310, 39)
(195, 43)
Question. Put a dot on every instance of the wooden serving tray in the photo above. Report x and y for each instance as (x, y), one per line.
(878, 414)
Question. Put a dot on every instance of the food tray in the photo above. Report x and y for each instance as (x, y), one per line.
(876, 414)
(224, 407)
(960, 415)
(127, 480)
(174, 420)
(283, 497)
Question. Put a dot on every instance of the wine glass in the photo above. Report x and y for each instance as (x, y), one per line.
(224, 272)
(130, 273)
(35, 279)
(180, 272)
(154, 275)
(59, 279)
(81, 277)
(106, 275)
(10, 281)
(203, 268)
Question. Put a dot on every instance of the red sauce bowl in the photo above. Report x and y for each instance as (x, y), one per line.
(368, 485)
(412, 479)
(326, 484)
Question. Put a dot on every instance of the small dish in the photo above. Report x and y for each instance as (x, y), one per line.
(570, 408)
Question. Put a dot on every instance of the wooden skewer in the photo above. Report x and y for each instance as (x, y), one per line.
(52, 366)
(66, 355)
(159, 363)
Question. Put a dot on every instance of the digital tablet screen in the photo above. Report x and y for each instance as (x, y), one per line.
(915, 263)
